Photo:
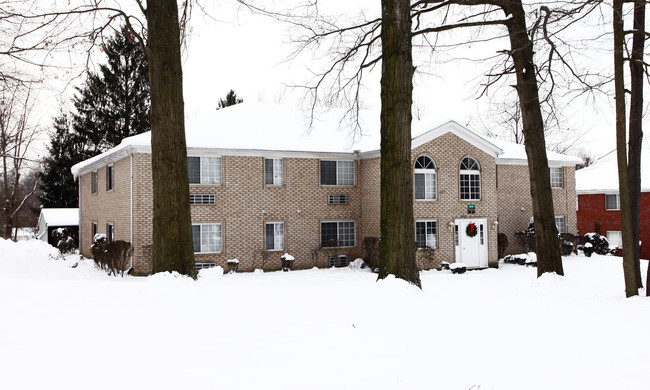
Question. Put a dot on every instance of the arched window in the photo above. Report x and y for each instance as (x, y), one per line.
(470, 179)
(425, 179)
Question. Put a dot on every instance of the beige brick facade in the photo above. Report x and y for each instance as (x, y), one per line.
(244, 204)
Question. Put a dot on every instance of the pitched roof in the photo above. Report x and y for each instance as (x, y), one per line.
(259, 128)
(60, 217)
(602, 177)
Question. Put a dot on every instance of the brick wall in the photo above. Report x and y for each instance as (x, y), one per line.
(516, 204)
(594, 218)
(105, 206)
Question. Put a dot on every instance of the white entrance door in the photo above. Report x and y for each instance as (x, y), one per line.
(471, 251)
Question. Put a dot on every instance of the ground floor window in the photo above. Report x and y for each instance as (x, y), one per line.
(110, 232)
(615, 239)
(337, 234)
(559, 222)
(207, 238)
(274, 236)
(426, 234)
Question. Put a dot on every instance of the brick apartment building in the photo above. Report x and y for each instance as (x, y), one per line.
(599, 204)
(263, 181)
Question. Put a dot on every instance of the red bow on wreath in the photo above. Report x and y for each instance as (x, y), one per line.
(471, 230)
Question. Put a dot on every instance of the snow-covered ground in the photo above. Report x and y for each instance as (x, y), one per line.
(75, 328)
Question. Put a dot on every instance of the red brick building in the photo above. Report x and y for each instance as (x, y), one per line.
(264, 182)
(599, 204)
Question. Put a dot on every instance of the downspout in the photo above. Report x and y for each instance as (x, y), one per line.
(132, 213)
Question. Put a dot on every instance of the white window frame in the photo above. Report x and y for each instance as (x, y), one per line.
(343, 177)
(563, 224)
(206, 164)
(218, 238)
(557, 177)
(277, 178)
(202, 199)
(430, 180)
(618, 242)
(278, 236)
(426, 223)
(338, 233)
(470, 173)
(618, 202)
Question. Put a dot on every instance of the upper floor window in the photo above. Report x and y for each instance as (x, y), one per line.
(207, 238)
(425, 178)
(204, 170)
(470, 179)
(337, 234)
(557, 177)
(612, 202)
(93, 182)
(109, 177)
(274, 236)
(273, 171)
(426, 234)
(337, 173)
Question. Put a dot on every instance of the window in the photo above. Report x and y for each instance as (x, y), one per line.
(426, 234)
(559, 222)
(337, 234)
(93, 182)
(612, 202)
(425, 179)
(273, 171)
(615, 239)
(109, 178)
(93, 230)
(110, 232)
(557, 177)
(337, 173)
(204, 170)
(201, 199)
(207, 238)
(470, 179)
(338, 199)
(274, 236)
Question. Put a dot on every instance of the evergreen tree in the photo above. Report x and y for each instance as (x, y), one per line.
(114, 103)
(66, 149)
(230, 100)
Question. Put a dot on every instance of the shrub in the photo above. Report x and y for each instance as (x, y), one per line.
(502, 243)
(372, 247)
(287, 262)
(112, 257)
(568, 244)
(599, 243)
(66, 240)
(526, 239)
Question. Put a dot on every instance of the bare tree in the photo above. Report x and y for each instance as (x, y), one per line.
(36, 30)
(16, 138)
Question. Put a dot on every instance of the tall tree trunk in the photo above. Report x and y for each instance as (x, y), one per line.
(621, 153)
(397, 224)
(172, 232)
(546, 235)
(636, 132)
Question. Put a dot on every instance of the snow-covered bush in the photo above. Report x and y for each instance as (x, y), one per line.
(233, 264)
(357, 264)
(457, 268)
(287, 262)
(599, 243)
(112, 257)
(444, 265)
(66, 240)
(568, 244)
(587, 249)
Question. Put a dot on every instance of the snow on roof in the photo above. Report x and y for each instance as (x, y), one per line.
(602, 177)
(266, 127)
(60, 217)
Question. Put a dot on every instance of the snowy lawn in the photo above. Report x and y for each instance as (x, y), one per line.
(75, 328)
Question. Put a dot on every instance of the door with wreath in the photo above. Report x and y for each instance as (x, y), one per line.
(471, 240)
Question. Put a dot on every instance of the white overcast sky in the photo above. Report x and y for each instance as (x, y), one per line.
(232, 49)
